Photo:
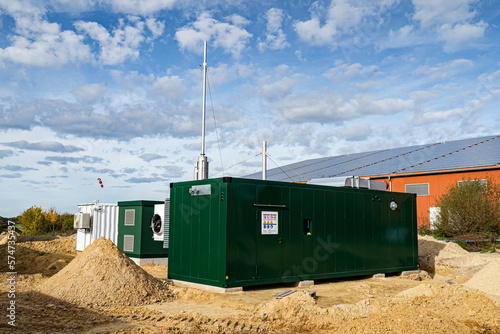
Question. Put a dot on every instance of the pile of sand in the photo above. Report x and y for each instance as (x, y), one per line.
(447, 258)
(102, 275)
(426, 308)
(4, 238)
(297, 305)
(297, 312)
(56, 246)
(430, 309)
(487, 279)
(428, 290)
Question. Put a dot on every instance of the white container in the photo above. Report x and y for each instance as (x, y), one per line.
(104, 223)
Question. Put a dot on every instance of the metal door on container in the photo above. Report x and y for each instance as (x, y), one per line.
(269, 244)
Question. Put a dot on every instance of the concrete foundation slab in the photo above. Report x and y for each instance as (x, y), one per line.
(162, 261)
(204, 287)
(305, 283)
(410, 272)
(379, 276)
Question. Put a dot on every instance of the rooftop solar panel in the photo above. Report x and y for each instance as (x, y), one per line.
(475, 152)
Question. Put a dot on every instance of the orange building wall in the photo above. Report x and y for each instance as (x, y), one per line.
(438, 184)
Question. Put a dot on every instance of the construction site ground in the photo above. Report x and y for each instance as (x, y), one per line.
(102, 291)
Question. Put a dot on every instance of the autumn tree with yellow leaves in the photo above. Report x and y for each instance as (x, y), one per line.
(34, 221)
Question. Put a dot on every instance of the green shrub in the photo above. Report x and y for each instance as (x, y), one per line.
(470, 207)
(67, 220)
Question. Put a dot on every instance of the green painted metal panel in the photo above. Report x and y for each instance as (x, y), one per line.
(143, 245)
(228, 238)
(197, 234)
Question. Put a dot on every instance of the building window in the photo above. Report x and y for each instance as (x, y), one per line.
(421, 189)
(483, 182)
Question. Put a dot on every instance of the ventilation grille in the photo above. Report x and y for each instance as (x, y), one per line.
(130, 217)
(421, 189)
(166, 223)
(128, 243)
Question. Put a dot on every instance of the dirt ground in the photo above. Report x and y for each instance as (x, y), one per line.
(56, 291)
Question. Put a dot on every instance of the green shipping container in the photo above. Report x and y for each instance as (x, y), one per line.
(232, 232)
(135, 237)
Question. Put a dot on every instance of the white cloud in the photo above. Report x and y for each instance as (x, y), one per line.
(450, 20)
(230, 37)
(120, 45)
(5, 153)
(355, 132)
(223, 73)
(298, 54)
(89, 93)
(311, 32)
(420, 98)
(275, 37)
(156, 27)
(47, 145)
(327, 106)
(237, 20)
(274, 84)
(342, 17)
(458, 35)
(405, 36)
(345, 71)
(438, 12)
(171, 87)
(46, 50)
(135, 7)
(432, 108)
(150, 156)
(276, 90)
(445, 70)
(20, 8)
(72, 6)
(140, 7)
(38, 42)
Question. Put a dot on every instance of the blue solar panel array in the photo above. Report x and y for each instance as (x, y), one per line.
(476, 152)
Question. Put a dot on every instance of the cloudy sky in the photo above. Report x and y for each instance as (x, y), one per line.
(113, 88)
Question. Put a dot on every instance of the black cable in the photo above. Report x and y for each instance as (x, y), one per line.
(282, 168)
(229, 123)
(215, 124)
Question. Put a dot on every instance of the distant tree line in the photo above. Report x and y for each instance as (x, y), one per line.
(5, 220)
(34, 221)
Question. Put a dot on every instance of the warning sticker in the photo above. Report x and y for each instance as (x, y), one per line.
(269, 222)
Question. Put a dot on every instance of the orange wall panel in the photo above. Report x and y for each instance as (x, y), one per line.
(438, 185)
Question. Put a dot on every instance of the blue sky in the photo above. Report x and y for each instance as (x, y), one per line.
(113, 88)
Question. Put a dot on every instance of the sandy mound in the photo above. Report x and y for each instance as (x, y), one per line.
(5, 238)
(430, 309)
(103, 275)
(487, 279)
(56, 246)
(297, 304)
(428, 290)
(447, 258)
(297, 312)
(426, 308)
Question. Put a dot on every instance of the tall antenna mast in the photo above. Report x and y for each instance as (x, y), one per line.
(201, 170)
